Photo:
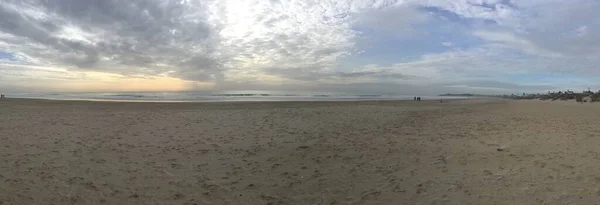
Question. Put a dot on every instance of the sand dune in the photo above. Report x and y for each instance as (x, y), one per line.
(458, 152)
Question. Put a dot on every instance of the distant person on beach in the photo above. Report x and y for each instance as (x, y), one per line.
(2, 96)
(415, 99)
(419, 99)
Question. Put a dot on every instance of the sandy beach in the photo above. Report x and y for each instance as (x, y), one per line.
(332, 153)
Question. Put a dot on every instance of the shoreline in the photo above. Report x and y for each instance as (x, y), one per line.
(240, 101)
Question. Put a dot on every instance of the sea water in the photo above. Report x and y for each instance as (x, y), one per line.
(226, 96)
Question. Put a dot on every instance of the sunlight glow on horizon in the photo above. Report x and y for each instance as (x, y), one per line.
(60, 79)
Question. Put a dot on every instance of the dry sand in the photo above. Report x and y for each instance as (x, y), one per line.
(459, 152)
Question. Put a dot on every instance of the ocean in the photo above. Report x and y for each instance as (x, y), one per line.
(231, 96)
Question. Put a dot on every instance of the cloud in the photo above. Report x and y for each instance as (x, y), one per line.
(195, 40)
(398, 21)
(364, 74)
(126, 37)
(498, 86)
(500, 11)
(509, 39)
(305, 39)
(548, 28)
(359, 44)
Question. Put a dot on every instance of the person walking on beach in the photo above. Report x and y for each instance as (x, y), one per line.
(418, 99)
(415, 99)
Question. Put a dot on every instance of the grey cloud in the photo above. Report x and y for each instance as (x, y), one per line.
(490, 87)
(311, 74)
(356, 74)
(383, 74)
(556, 29)
(492, 84)
(127, 37)
(23, 73)
(370, 88)
(561, 37)
(154, 37)
(397, 21)
(299, 73)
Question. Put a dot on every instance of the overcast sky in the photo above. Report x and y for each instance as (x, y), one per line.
(401, 46)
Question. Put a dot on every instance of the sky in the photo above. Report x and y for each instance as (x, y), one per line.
(361, 46)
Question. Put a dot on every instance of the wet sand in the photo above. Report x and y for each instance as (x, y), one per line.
(392, 152)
